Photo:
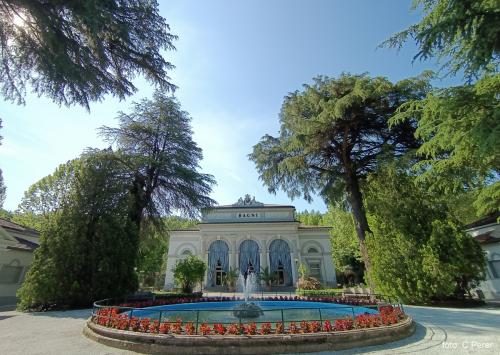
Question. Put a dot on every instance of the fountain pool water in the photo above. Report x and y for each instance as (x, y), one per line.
(273, 311)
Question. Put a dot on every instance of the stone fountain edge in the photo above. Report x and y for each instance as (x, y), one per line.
(247, 344)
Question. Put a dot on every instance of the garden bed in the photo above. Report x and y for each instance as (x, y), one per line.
(153, 343)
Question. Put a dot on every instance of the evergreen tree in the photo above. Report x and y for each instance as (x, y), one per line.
(88, 245)
(154, 145)
(419, 251)
(345, 245)
(76, 52)
(463, 33)
(153, 246)
(332, 135)
(460, 130)
(459, 126)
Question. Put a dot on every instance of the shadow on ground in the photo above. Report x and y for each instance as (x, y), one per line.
(75, 314)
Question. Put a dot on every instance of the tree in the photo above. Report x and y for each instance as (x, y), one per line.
(459, 126)
(153, 246)
(419, 251)
(88, 245)
(188, 272)
(75, 52)
(313, 218)
(460, 130)
(154, 144)
(332, 135)
(463, 33)
(345, 245)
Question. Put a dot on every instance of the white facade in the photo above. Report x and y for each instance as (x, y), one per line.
(248, 232)
(487, 233)
(17, 244)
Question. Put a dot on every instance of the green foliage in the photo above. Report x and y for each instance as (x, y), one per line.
(460, 130)
(267, 276)
(345, 245)
(313, 218)
(333, 133)
(188, 272)
(462, 33)
(29, 219)
(419, 252)
(75, 52)
(88, 246)
(155, 146)
(5, 214)
(231, 277)
(153, 246)
(303, 272)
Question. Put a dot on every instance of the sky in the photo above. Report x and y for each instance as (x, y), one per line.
(235, 61)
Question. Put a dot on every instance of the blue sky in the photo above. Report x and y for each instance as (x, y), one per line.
(235, 61)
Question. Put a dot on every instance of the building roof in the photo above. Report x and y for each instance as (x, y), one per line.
(492, 218)
(266, 205)
(23, 245)
(248, 201)
(18, 228)
(313, 227)
(487, 238)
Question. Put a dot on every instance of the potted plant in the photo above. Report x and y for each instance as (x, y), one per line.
(267, 277)
(230, 279)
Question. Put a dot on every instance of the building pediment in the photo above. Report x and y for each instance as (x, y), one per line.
(248, 210)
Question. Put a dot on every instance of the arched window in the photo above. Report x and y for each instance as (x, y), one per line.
(186, 252)
(249, 257)
(280, 262)
(312, 250)
(218, 262)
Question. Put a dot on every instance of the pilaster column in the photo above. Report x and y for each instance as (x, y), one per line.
(294, 267)
(231, 259)
(205, 257)
(263, 254)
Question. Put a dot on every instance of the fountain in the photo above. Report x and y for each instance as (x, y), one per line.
(247, 283)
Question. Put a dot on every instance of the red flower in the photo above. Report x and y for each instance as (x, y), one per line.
(265, 328)
(205, 329)
(279, 328)
(233, 329)
(328, 326)
(190, 328)
(164, 328)
(293, 328)
(343, 324)
(219, 329)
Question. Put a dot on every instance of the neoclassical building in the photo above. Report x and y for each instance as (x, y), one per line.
(249, 236)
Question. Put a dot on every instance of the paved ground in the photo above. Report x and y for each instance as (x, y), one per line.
(440, 331)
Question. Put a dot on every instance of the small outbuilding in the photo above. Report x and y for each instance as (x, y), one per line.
(17, 244)
(487, 232)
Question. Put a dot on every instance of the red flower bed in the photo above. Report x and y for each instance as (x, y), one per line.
(112, 318)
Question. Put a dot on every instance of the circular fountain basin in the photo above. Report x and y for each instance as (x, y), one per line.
(273, 311)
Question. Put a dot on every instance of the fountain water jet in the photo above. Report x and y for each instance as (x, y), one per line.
(247, 309)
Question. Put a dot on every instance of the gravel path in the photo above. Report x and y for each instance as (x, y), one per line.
(440, 331)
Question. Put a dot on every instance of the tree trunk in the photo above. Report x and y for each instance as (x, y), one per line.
(138, 201)
(360, 222)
